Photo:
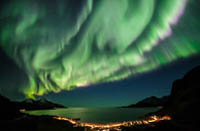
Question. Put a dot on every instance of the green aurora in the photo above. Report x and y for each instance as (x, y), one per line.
(69, 44)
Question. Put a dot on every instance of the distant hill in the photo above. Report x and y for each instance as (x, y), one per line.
(151, 102)
(42, 103)
(11, 119)
(12, 107)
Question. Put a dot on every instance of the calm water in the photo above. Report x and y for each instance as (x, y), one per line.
(98, 115)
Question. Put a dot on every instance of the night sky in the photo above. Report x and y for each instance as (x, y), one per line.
(96, 53)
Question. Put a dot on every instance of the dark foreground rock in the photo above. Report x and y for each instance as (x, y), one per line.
(184, 99)
(164, 126)
(37, 123)
(8, 109)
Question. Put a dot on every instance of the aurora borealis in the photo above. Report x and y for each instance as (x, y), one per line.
(67, 44)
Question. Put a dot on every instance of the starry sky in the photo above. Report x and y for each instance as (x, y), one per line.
(96, 53)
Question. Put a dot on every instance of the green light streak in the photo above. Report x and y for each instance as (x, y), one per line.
(63, 45)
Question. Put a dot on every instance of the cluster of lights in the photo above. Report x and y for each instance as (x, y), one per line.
(115, 126)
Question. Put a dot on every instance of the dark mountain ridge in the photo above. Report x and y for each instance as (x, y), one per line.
(152, 101)
(42, 103)
(11, 109)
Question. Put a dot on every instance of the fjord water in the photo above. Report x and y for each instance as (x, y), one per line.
(97, 115)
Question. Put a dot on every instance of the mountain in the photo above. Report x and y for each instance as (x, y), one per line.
(42, 103)
(28, 104)
(11, 109)
(151, 102)
(12, 119)
(182, 105)
(184, 99)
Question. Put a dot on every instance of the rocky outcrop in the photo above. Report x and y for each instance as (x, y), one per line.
(184, 99)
